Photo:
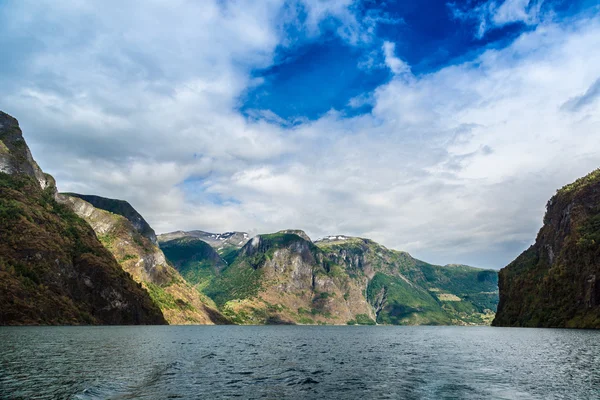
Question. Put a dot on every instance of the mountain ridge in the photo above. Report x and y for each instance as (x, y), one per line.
(284, 277)
(53, 269)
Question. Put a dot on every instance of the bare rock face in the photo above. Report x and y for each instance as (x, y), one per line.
(554, 282)
(133, 244)
(122, 208)
(15, 156)
(136, 252)
(53, 269)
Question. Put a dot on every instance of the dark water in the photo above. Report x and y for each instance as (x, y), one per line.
(298, 362)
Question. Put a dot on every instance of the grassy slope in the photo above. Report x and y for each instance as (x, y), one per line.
(195, 260)
(418, 292)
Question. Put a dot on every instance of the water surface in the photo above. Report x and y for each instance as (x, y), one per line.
(380, 362)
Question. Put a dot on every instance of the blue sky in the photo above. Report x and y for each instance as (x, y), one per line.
(436, 127)
(428, 35)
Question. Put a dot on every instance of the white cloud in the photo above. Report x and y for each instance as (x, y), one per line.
(395, 64)
(494, 14)
(454, 166)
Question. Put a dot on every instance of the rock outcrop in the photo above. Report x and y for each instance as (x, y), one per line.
(122, 208)
(53, 269)
(125, 233)
(15, 157)
(555, 283)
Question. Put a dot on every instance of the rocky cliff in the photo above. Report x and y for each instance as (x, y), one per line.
(556, 282)
(53, 269)
(122, 208)
(286, 278)
(125, 233)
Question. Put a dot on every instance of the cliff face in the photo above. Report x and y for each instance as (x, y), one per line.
(15, 157)
(122, 208)
(133, 244)
(53, 269)
(555, 283)
(286, 278)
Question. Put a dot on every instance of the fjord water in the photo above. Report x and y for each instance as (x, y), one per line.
(379, 362)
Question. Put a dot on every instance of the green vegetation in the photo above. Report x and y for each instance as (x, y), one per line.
(590, 179)
(197, 261)
(405, 304)
(589, 232)
(553, 283)
(128, 257)
(166, 300)
(406, 290)
(228, 254)
(306, 321)
(163, 299)
(238, 281)
(57, 244)
(364, 319)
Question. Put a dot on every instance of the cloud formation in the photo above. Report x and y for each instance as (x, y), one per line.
(396, 65)
(453, 166)
(495, 14)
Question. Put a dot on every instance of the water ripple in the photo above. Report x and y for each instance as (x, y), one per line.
(298, 362)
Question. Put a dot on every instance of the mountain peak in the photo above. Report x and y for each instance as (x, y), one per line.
(216, 240)
(297, 232)
(15, 156)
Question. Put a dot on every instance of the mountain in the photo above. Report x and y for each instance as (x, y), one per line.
(285, 278)
(195, 259)
(122, 208)
(125, 233)
(53, 269)
(226, 244)
(556, 282)
(404, 290)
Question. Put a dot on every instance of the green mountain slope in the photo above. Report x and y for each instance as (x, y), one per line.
(227, 244)
(53, 269)
(195, 259)
(286, 278)
(405, 290)
(555, 282)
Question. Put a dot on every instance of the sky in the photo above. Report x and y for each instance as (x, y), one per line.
(440, 128)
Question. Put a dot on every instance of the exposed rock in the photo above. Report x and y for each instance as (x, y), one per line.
(15, 157)
(131, 240)
(123, 208)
